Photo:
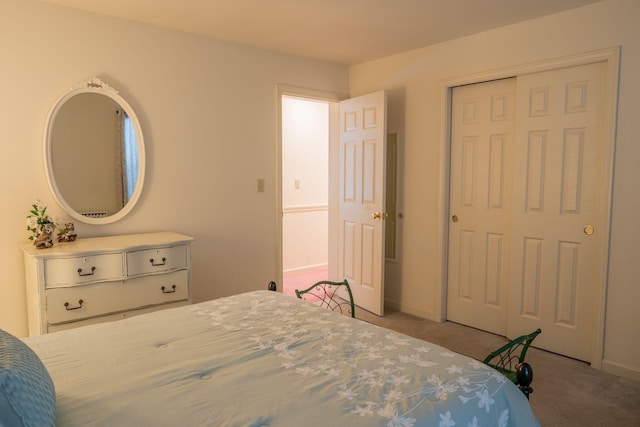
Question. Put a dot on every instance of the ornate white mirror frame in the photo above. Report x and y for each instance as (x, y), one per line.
(71, 174)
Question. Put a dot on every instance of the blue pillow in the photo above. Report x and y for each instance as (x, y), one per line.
(27, 394)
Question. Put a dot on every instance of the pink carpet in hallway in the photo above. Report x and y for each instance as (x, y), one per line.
(302, 280)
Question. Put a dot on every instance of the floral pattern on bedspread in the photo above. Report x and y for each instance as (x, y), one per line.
(386, 377)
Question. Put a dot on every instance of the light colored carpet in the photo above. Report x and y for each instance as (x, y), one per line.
(567, 392)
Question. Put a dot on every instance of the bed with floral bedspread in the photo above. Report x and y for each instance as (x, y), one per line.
(266, 359)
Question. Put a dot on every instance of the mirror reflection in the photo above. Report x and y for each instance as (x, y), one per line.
(95, 154)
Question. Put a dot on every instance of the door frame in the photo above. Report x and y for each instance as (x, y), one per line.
(334, 137)
(612, 58)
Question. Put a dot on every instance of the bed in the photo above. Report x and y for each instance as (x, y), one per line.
(265, 359)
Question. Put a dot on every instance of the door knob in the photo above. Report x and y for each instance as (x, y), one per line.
(588, 230)
(379, 215)
(454, 218)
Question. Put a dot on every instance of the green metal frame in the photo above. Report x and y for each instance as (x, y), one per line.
(507, 358)
(326, 294)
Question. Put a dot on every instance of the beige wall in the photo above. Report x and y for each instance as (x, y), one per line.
(414, 81)
(208, 112)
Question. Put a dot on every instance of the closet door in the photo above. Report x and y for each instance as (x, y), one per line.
(480, 204)
(557, 200)
(525, 203)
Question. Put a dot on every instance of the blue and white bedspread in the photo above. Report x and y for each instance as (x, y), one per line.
(265, 359)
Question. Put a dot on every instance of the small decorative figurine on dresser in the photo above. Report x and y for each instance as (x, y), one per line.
(41, 226)
(45, 239)
(68, 233)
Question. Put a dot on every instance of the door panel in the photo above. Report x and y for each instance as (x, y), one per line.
(362, 193)
(557, 199)
(480, 204)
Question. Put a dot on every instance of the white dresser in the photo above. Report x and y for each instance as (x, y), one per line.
(100, 279)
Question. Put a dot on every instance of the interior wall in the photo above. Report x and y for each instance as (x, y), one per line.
(305, 183)
(414, 81)
(208, 112)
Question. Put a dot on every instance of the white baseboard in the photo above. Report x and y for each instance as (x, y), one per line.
(621, 370)
(306, 268)
(414, 311)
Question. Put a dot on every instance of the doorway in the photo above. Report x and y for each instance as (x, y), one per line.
(305, 191)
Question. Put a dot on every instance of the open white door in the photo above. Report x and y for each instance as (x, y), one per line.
(361, 229)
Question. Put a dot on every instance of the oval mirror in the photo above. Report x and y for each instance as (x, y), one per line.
(94, 153)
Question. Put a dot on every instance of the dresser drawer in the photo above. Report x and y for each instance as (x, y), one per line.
(81, 302)
(156, 260)
(113, 317)
(159, 289)
(85, 269)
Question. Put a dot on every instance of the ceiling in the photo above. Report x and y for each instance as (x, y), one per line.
(342, 31)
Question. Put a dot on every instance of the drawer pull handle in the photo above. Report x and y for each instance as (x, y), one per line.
(155, 264)
(80, 302)
(93, 270)
(173, 289)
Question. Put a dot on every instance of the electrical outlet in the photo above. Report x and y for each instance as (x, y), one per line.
(296, 184)
(260, 185)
